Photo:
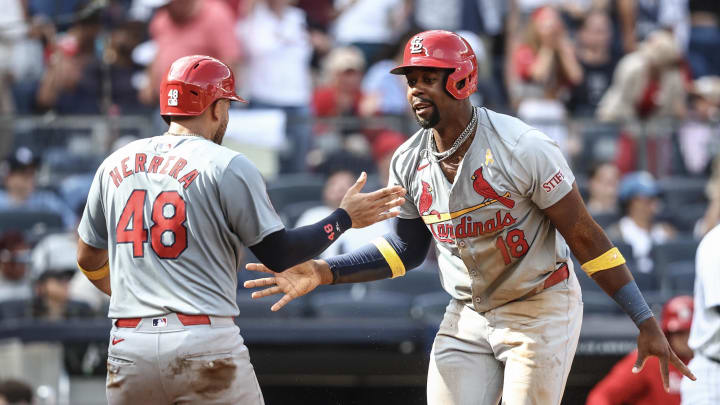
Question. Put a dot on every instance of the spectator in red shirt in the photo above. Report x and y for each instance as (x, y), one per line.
(545, 63)
(189, 27)
(624, 386)
(341, 94)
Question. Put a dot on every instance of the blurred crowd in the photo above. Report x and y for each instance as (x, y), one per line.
(630, 89)
(548, 61)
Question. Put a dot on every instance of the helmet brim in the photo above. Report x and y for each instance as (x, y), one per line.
(235, 97)
(422, 62)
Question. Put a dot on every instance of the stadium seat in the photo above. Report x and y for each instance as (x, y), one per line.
(594, 298)
(599, 144)
(372, 304)
(679, 250)
(430, 307)
(260, 308)
(292, 211)
(607, 219)
(680, 277)
(684, 216)
(32, 223)
(293, 188)
(681, 191)
(414, 282)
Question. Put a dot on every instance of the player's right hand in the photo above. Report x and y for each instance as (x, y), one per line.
(368, 208)
(293, 282)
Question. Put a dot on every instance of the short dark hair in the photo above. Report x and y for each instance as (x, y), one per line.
(16, 391)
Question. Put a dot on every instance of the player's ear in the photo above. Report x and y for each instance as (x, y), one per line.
(215, 110)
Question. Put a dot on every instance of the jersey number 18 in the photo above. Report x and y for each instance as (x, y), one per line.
(130, 226)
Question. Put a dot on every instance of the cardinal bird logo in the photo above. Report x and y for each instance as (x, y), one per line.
(484, 188)
(426, 198)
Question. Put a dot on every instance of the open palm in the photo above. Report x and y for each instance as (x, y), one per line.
(293, 282)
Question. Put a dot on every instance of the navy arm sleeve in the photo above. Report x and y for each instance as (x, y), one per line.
(283, 249)
(404, 250)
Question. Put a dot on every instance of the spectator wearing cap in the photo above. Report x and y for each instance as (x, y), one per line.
(51, 302)
(15, 274)
(623, 386)
(341, 93)
(59, 250)
(639, 200)
(20, 191)
(51, 291)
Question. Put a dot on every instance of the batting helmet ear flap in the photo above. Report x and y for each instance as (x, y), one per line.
(465, 70)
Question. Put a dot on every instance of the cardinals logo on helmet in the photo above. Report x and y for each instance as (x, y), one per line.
(484, 188)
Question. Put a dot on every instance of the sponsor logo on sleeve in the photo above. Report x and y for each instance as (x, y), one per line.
(551, 183)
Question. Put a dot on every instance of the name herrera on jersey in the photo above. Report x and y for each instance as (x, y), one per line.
(467, 228)
(156, 165)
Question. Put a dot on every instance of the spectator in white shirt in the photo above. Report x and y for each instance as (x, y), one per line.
(370, 25)
(278, 50)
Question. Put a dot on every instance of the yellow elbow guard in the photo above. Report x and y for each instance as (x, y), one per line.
(96, 274)
(608, 260)
(391, 257)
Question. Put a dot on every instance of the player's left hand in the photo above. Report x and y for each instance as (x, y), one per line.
(652, 342)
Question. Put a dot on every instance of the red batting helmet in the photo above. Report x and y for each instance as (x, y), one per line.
(443, 50)
(192, 83)
(677, 314)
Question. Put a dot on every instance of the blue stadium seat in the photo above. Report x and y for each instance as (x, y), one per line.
(292, 211)
(293, 188)
(260, 308)
(32, 223)
(594, 298)
(430, 307)
(679, 250)
(372, 304)
(680, 277)
(607, 219)
(415, 282)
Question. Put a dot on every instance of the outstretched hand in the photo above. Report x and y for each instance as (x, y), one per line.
(652, 342)
(368, 208)
(293, 282)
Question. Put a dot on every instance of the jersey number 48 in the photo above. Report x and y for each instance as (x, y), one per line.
(168, 234)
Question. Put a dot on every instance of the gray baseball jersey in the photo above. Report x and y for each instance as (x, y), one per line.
(174, 213)
(493, 241)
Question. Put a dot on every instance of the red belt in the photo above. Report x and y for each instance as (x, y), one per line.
(558, 275)
(187, 320)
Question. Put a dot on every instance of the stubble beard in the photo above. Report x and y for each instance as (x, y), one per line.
(220, 133)
(430, 122)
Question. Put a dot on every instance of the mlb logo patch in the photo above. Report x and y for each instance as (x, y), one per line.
(159, 322)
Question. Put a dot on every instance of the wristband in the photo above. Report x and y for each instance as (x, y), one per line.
(96, 274)
(632, 302)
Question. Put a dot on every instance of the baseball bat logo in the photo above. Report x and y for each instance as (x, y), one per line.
(484, 188)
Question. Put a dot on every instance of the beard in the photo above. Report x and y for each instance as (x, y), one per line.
(432, 120)
(220, 133)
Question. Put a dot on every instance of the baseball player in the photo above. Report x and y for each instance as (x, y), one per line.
(164, 223)
(621, 386)
(705, 330)
(499, 200)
